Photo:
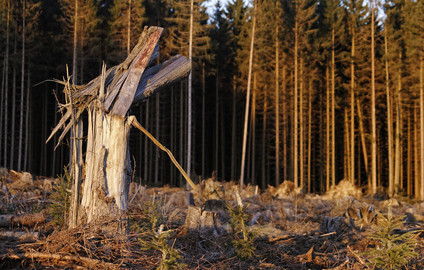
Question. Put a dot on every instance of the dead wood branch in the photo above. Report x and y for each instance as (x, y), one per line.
(136, 124)
(29, 220)
(59, 257)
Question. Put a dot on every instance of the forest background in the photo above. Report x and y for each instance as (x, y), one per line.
(336, 92)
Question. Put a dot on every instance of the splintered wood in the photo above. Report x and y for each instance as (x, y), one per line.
(107, 100)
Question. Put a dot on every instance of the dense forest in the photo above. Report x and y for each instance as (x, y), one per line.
(304, 67)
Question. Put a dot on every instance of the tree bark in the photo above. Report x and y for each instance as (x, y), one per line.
(246, 112)
(373, 117)
(389, 117)
(21, 112)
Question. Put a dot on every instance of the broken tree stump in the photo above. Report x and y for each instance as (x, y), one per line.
(101, 193)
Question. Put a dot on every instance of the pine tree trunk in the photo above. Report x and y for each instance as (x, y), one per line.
(295, 109)
(373, 117)
(233, 132)
(6, 89)
(204, 124)
(328, 119)
(21, 112)
(74, 55)
(253, 130)
(129, 28)
(264, 143)
(285, 124)
(277, 107)
(422, 124)
(157, 113)
(246, 112)
(12, 136)
(216, 135)
(27, 138)
(389, 118)
(301, 125)
(363, 142)
(146, 146)
(333, 115)
(309, 135)
(189, 106)
(352, 110)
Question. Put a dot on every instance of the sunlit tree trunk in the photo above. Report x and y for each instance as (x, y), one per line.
(246, 112)
(253, 130)
(189, 120)
(373, 117)
(295, 109)
(389, 116)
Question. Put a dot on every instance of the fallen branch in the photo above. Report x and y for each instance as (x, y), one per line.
(136, 124)
(59, 257)
(20, 235)
(29, 220)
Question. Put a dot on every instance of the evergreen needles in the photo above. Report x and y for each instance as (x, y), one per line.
(243, 239)
(393, 250)
(61, 199)
(153, 237)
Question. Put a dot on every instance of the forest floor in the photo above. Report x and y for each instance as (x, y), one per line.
(287, 229)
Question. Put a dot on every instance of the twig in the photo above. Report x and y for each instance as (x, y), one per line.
(356, 256)
(59, 257)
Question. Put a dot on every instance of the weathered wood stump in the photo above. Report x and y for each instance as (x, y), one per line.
(100, 194)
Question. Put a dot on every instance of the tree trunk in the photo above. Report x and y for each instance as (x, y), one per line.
(74, 55)
(309, 135)
(295, 109)
(285, 124)
(389, 117)
(6, 89)
(352, 110)
(21, 112)
(189, 120)
(328, 119)
(422, 124)
(233, 132)
(363, 142)
(27, 112)
(277, 107)
(301, 125)
(129, 28)
(333, 115)
(12, 136)
(108, 169)
(373, 117)
(246, 112)
(253, 130)
(204, 124)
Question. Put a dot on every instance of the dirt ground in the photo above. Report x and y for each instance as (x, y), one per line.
(292, 230)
